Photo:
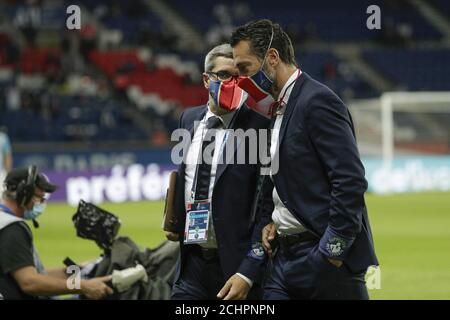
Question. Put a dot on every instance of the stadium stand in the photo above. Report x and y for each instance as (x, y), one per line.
(125, 75)
(443, 6)
(327, 20)
(421, 69)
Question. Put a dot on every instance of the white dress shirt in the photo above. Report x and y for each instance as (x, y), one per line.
(284, 221)
(191, 164)
(192, 161)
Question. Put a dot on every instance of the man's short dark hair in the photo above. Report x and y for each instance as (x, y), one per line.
(258, 33)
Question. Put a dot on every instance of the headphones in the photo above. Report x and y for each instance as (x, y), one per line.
(25, 190)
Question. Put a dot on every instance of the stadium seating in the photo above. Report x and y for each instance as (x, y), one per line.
(443, 6)
(331, 20)
(75, 118)
(326, 67)
(164, 82)
(159, 87)
(414, 69)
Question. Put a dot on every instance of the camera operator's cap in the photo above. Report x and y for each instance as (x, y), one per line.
(16, 176)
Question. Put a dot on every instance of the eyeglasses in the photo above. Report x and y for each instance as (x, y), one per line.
(220, 75)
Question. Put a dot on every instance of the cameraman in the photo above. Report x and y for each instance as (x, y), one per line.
(22, 275)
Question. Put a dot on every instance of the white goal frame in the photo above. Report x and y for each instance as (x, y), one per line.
(404, 101)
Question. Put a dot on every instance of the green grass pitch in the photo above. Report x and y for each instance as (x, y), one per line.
(411, 232)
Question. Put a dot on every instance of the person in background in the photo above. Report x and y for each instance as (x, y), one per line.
(22, 274)
(6, 161)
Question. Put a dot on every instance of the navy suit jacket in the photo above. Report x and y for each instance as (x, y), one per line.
(321, 177)
(236, 226)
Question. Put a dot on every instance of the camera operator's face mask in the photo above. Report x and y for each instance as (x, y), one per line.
(227, 94)
(259, 84)
(37, 209)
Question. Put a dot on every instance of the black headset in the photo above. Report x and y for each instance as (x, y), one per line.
(25, 189)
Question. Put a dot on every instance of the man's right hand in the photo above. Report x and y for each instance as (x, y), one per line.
(172, 236)
(268, 234)
(96, 288)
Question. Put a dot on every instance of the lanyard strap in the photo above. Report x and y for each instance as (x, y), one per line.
(6, 209)
(230, 125)
(279, 103)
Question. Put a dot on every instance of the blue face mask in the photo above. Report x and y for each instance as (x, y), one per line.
(262, 80)
(35, 212)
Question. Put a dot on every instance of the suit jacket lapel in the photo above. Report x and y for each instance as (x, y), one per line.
(291, 105)
(193, 125)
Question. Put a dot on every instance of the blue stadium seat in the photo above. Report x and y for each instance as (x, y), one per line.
(415, 69)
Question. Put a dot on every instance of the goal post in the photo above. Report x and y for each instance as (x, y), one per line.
(417, 102)
(404, 140)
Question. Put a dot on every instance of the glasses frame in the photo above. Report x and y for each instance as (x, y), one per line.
(215, 76)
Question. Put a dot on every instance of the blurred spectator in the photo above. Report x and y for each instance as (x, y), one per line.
(241, 12)
(226, 18)
(71, 58)
(13, 99)
(54, 73)
(9, 51)
(88, 43)
(6, 158)
(218, 34)
(395, 34)
(28, 20)
(222, 14)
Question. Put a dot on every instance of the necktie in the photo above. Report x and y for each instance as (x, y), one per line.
(203, 176)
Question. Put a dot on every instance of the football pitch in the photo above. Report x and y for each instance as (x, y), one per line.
(411, 233)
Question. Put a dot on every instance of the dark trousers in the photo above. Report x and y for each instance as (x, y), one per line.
(300, 271)
(202, 279)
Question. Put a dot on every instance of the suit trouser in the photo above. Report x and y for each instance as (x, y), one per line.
(300, 271)
(202, 279)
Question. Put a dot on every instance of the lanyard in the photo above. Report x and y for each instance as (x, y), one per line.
(279, 103)
(6, 209)
(194, 182)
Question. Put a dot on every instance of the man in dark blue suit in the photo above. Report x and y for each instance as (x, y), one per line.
(316, 183)
(223, 258)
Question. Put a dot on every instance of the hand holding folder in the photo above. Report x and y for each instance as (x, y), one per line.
(169, 221)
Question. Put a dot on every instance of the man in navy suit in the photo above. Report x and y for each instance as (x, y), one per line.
(319, 222)
(230, 263)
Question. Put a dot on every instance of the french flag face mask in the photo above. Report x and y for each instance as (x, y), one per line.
(227, 94)
(258, 88)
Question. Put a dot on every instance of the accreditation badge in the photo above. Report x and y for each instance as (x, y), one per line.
(197, 221)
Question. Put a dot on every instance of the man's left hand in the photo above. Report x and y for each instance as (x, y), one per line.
(336, 263)
(235, 288)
